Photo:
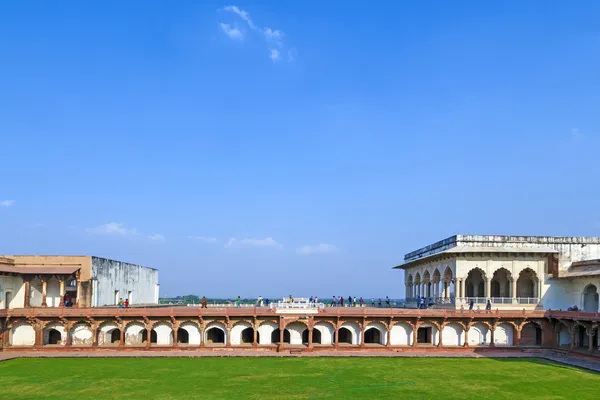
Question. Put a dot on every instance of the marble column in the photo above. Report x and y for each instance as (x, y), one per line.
(44, 283)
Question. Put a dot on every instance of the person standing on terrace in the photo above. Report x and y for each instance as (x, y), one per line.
(204, 302)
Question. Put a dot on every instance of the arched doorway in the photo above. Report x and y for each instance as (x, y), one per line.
(590, 298)
(215, 335)
(316, 336)
(153, 336)
(409, 287)
(418, 291)
(344, 335)
(115, 336)
(531, 335)
(447, 280)
(247, 335)
(183, 336)
(475, 283)
(500, 286)
(527, 284)
(427, 281)
(373, 336)
(305, 336)
(275, 336)
(54, 336)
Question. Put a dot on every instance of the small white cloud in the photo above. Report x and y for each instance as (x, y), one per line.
(157, 237)
(7, 203)
(273, 37)
(112, 228)
(242, 14)
(291, 55)
(203, 239)
(266, 242)
(233, 33)
(322, 248)
(274, 55)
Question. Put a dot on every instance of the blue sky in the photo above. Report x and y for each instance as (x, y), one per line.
(301, 148)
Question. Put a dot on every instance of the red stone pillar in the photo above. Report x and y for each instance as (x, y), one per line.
(337, 337)
(415, 330)
(255, 338)
(228, 341)
(148, 336)
(388, 342)
(39, 335)
(68, 340)
(440, 340)
(202, 333)
(27, 300)
(466, 344)
(175, 334)
(590, 339)
(492, 330)
(310, 338)
(122, 336)
(362, 335)
(517, 336)
(572, 337)
(281, 335)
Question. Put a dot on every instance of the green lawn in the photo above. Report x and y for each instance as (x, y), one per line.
(294, 378)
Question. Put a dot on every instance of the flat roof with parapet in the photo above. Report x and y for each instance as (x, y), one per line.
(499, 243)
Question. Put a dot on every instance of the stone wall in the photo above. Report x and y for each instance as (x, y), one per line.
(112, 280)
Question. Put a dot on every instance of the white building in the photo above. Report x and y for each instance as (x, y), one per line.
(530, 272)
(84, 281)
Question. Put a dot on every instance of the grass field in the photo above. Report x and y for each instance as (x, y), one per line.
(294, 378)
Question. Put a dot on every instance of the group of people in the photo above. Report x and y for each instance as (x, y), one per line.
(123, 303)
(352, 302)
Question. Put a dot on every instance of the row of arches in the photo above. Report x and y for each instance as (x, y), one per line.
(477, 284)
(296, 333)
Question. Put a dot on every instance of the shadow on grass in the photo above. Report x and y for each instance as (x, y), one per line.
(541, 361)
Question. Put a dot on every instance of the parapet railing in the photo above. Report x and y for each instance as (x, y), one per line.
(197, 312)
(296, 305)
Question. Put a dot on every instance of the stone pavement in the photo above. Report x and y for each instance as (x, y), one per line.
(575, 361)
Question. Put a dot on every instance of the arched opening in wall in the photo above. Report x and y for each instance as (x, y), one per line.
(501, 283)
(153, 336)
(427, 281)
(305, 336)
(183, 336)
(417, 291)
(437, 278)
(247, 335)
(54, 337)
(526, 284)
(424, 335)
(316, 336)
(446, 281)
(115, 336)
(580, 336)
(372, 336)
(275, 336)
(531, 335)
(409, 284)
(344, 335)
(590, 298)
(215, 335)
(475, 283)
